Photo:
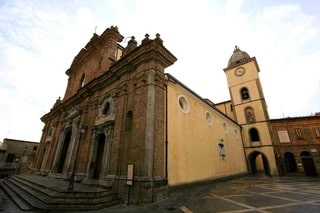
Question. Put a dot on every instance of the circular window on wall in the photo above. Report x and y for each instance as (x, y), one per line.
(183, 104)
(209, 118)
(225, 127)
(107, 107)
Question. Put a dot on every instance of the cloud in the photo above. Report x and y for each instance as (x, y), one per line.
(233, 7)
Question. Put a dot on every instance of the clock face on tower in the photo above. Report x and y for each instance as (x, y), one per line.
(240, 71)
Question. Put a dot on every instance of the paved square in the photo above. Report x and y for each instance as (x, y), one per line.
(246, 194)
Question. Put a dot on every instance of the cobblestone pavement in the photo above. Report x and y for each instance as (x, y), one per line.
(246, 194)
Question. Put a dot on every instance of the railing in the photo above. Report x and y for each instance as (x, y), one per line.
(8, 165)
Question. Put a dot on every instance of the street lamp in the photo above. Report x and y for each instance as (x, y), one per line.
(82, 129)
(20, 162)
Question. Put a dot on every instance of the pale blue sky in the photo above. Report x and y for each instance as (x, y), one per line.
(39, 39)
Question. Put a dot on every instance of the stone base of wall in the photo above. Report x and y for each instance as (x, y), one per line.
(143, 191)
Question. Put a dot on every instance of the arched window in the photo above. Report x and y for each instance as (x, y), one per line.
(244, 93)
(106, 108)
(129, 121)
(249, 115)
(82, 81)
(254, 135)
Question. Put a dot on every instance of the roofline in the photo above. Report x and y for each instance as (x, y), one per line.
(15, 140)
(223, 102)
(175, 80)
(312, 117)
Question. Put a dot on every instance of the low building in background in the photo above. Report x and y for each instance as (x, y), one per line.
(16, 156)
(297, 144)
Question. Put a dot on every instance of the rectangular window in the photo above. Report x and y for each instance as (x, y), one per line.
(50, 132)
(299, 133)
(317, 132)
(10, 158)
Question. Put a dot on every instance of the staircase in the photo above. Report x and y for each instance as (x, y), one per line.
(32, 192)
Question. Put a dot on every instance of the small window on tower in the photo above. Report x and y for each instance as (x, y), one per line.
(244, 93)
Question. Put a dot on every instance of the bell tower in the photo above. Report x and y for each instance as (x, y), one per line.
(250, 110)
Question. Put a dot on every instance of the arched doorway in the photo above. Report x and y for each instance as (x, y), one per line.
(64, 151)
(308, 164)
(290, 162)
(259, 163)
(97, 157)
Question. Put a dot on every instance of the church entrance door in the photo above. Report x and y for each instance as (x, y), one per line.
(101, 140)
(64, 152)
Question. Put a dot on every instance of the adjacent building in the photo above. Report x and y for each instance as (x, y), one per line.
(297, 144)
(16, 156)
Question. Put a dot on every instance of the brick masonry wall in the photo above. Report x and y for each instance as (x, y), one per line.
(133, 84)
(308, 142)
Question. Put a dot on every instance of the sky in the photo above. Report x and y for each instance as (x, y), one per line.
(40, 38)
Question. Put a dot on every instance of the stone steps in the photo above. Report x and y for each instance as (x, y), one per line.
(14, 195)
(31, 191)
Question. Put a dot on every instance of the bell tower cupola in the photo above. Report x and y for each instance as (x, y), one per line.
(238, 56)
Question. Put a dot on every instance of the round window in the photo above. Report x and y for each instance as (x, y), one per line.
(183, 104)
(209, 118)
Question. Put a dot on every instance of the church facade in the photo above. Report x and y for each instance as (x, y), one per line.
(123, 122)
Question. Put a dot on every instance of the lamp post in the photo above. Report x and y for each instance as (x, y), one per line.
(82, 129)
(20, 161)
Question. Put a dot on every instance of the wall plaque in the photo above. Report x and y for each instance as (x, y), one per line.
(283, 136)
(130, 175)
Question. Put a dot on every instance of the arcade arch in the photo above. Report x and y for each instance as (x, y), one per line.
(259, 163)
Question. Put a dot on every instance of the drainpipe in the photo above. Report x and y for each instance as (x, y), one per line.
(166, 129)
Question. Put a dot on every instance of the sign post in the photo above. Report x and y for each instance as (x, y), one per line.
(129, 180)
